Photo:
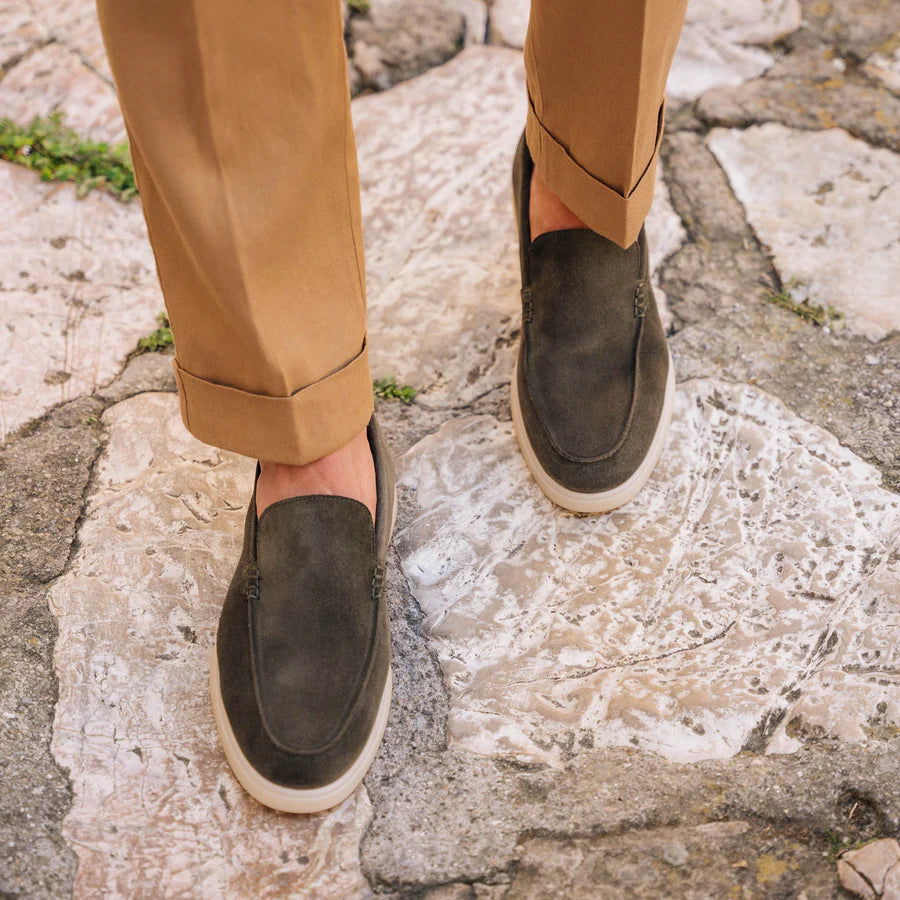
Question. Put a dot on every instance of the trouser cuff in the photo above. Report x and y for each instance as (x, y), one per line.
(297, 429)
(602, 208)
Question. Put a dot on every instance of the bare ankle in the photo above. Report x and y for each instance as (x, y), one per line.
(347, 472)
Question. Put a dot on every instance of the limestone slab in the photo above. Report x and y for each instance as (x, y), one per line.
(751, 582)
(74, 23)
(720, 43)
(77, 290)
(19, 31)
(55, 78)
(156, 811)
(825, 203)
(508, 23)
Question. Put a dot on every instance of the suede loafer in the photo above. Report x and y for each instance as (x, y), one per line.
(300, 676)
(594, 386)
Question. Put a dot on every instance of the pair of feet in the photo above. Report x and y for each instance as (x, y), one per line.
(349, 471)
(300, 677)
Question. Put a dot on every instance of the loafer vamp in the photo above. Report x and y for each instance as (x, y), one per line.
(303, 641)
(581, 341)
(312, 621)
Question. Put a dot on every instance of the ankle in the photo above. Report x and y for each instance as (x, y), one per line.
(347, 472)
(546, 212)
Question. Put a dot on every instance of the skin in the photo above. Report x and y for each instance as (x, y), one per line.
(350, 471)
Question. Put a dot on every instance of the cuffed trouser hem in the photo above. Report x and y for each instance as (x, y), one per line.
(602, 208)
(306, 425)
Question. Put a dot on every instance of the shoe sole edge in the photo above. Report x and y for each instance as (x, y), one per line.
(602, 501)
(278, 796)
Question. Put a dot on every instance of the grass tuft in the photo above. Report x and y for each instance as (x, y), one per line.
(57, 153)
(159, 340)
(794, 299)
(388, 389)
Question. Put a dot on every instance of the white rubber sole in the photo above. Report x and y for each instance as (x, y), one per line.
(277, 796)
(604, 501)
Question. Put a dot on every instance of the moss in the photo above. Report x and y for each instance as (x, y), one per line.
(159, 340)
(811, 312)
(388, 389)
(57, 153)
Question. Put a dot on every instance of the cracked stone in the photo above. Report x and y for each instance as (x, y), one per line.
(809, 88)
(719, 43)
(56, 78)
(133, 724)
(857, 28)
(761, 587)
(79, 288)
(872, 871)
(825, 204)
(19, 32)
(407, 37)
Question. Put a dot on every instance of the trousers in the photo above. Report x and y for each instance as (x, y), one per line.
(238, 117)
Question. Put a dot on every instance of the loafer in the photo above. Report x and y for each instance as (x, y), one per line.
(300, 677)
(594, 386)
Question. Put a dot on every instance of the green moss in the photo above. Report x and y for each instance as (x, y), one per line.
(388, 389)
(57, 153)
(359, 6)
(161, 339)
(839, 844)
(811, 312)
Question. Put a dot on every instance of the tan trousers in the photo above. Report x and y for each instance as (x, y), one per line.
(239, 120)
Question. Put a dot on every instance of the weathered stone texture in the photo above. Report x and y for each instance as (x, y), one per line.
(809, 88)
(54, 78)
(826, 204)
(402, 38)
(746, 584)
(77, 290)
(720, 44)
(137, 610)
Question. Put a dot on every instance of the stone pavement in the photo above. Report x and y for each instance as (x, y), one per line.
(696, 696)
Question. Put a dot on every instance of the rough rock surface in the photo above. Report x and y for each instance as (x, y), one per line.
(834, 231)
(78, 288)
(435, 819)
(811, 88)
(400, 39)
(872, 871)
(137, 611)
(749, 586)
(722, 43)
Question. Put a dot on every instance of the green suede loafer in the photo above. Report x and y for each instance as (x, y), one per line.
(300, 676)
(594, 386)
